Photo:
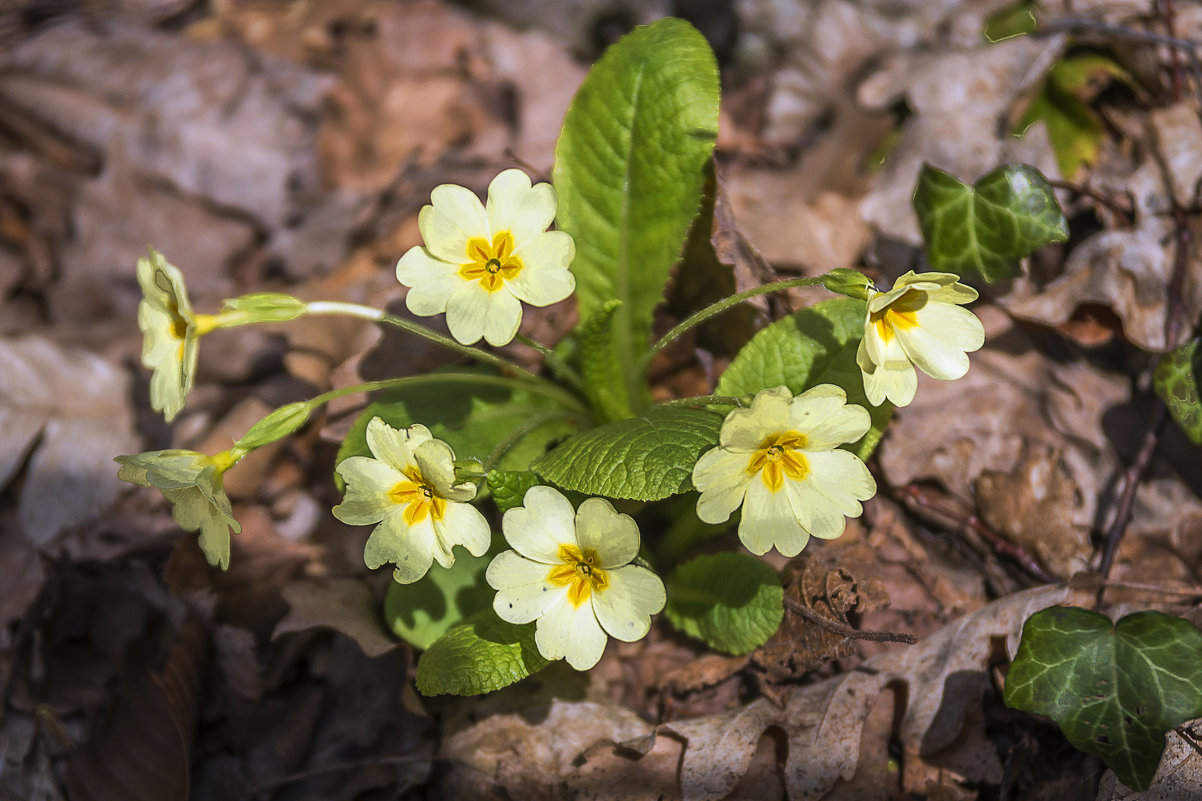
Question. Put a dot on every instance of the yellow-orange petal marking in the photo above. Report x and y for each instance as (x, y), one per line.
(580, 572)
(901, 313)
(491, 263)
(418, 497)
(777, 457)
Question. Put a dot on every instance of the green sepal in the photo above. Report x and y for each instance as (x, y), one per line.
(731, 601)
(843, 281)
(276, 425)
(479, 655)
(266, 307)
(1114, 689)
(988, 227)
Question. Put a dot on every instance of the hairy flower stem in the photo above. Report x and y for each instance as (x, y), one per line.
(715, 309)
(537, 387)
(558, 366)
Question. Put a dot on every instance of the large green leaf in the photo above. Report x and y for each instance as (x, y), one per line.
(629, 169)
(479, 655)
(472, 418)
(1176, 381)
(644, 458)
(508, 487)
(731, 601)
(604, 382)
(421, 612)
(986, 228)
(1113, 689)
(816, 345)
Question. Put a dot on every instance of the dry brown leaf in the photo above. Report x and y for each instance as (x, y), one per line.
(1178, 778)
(69, 408)
(143, 750)
(344, 605)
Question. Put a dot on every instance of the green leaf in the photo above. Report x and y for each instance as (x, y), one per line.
(1176, 381)
(508, 487)
(986, 228)
(731, 601)
(472, 418)
(479, 655)
(599, 367)
(629, 168)
(816, 345)
(645, 458)
(1011, 21)
(421, 612)
(1113, 689)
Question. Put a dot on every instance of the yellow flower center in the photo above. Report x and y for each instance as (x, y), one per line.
(777, 457)
(419, 498)
(491, 263)
(579, 572)
(901, 313)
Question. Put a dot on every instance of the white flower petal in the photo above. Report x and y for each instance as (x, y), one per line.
(545, 277)
(625, 607)
(571, 632)
(938, 343)
(436, 461)
(455, 216)
(897, 384)
(463, 524)
(515, 206)
(394, 446)
(842, 478)
(384, 542)
(831, 424)
(414, 553)
(721, 477)
(431, 282)
(614, 536)
(523, 592)
(536, 529)
(745, 429)
(367, 484)
(769, 521)
(474, 312)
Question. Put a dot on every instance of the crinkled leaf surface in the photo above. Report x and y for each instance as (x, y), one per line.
(479, 655)
(644, 458)
(1114, 689)
(470, 417)
(816, 345)
(508, 487)
(987, 227)
(599, 366)
(1176, 383)
(629, 169)
(731, 601)
(70, 407)
(421, 612)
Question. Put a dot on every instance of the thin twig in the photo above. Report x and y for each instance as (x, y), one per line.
(1123, 214)
(1131, 479)
(916, 498)
(844, 630)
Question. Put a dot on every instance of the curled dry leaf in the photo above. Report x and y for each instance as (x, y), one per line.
(70, 408)
(344, 605)
(1178, 777)
(555, 754)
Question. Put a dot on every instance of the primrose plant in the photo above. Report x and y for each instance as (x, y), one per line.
(570, 459)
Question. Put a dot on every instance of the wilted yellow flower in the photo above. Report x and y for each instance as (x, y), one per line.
(919, 323)
(408, 488)
(780, 460)
(573, 572)
(191, 481)
(480, 262)
(169, 333)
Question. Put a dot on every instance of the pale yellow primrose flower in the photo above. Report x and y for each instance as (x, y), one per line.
(572, 572)
(780, 460)
(191, 481)
(169, 334)
(409, 489)
(479, 261)
(919, 323)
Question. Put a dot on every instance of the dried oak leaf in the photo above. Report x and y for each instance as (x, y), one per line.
(556, 753)
(69, 409)
(344, 605)
(1178, 778)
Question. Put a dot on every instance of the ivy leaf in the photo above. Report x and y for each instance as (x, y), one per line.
(816, 345)
(986, 228)
(508, 487)
(479, 655)
(1113, 689)
(421, 612)
(629, 169)
(731, 601)
(599, 368)
(470, 417)
(644, 458)
(1176, 383)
